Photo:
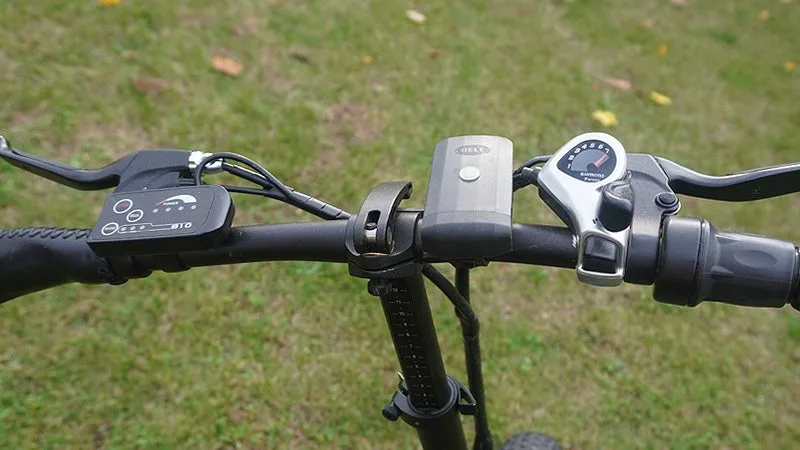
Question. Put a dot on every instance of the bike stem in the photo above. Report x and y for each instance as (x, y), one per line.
(380, 243)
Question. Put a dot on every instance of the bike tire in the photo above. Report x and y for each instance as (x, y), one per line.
(530, 441)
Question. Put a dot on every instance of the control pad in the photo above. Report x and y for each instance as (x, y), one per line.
(162, 221)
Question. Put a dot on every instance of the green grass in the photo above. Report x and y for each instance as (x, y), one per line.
(293, 355)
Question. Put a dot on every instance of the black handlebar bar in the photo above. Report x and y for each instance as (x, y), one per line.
(696, 262)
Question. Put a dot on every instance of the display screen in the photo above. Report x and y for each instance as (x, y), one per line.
(590, 161)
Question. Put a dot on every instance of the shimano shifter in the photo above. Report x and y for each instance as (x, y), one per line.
(586, 184)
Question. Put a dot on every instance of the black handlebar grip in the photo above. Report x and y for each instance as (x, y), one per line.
(33, 259)
(696, 262)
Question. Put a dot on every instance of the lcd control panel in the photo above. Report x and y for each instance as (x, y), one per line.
(162, 221)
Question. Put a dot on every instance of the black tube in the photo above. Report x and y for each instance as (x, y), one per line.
(541, 245)
(444, 432)
(33, 259)
(307, 241)
(470, 332)
(472, 354)
(324, 241)
(408, 314)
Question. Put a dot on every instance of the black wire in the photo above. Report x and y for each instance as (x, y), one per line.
(277, 184)
(271, 186)
(253, 191)
(247, 175)
(533, 161)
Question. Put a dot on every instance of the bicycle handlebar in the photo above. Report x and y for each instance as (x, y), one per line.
(696, 262)
(33, 259)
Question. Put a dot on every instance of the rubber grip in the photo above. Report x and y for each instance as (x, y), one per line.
(697, 262)
(34, 259)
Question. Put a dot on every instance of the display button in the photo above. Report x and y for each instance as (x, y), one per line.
(135, 215)
(469, 173)
(109, 228)
(123, 206)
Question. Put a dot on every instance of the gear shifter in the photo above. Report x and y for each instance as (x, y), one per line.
(586, 183)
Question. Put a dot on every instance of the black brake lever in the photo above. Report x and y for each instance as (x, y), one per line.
(753, 184)
(145, 169)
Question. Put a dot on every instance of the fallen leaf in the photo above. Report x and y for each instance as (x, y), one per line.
(647, 24)
(247, 27)
(149, 85)
(227, 66)
(300, 56)
(679, 2)
(663, 50)
(108, 2)
(605, 118)
(789, 66)
(416, 16)
(763, 15)
(129, 54)
(618, 83)
(659, 98)
(367, 59)
(434, 53)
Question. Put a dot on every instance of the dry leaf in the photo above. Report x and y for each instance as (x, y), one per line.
(679, 2)
(416, 16)
(660, 99)
(227, 66)
(149, 85)
(300, 56)
(108, 2)
(789, 66)
(663, 50)
(367, 59)
(247, 27)
(605, 118)
(129, 54)
(647, 24)
(434, 53)
(618, 83)
(763, 15)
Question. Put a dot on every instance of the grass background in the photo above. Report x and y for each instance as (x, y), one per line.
(296, 355)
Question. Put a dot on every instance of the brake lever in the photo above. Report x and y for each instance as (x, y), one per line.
(145, 169)
(753, 184)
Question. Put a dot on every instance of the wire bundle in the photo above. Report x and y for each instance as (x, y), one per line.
(270, 186)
